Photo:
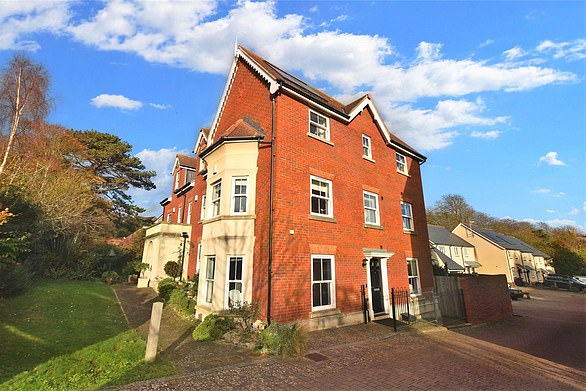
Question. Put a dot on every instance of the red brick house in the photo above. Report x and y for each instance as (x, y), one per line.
(346, 196)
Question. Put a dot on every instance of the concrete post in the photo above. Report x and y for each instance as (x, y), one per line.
(155, 326)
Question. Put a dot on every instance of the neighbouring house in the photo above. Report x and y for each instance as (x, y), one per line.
(503, 254)
(175, 237)
(451, 251)
(303, 201)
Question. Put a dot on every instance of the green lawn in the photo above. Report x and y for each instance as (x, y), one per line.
(69, 334)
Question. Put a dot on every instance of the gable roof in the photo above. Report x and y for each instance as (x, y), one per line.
(202, 137)
(277, 79)
(186, 161)
(449, 262)
(505, 241)
(241, 130)
(441, 235)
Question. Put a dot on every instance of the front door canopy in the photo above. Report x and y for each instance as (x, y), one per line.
(376, 253)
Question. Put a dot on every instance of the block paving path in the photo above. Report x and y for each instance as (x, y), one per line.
(371, 357)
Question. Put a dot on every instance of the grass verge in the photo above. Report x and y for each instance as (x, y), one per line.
(69, 335)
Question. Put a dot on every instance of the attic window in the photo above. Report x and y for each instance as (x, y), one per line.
(401, 163)
(319, 125)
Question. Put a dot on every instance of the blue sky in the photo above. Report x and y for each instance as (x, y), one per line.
(492, 92)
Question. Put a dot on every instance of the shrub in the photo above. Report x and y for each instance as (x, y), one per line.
(173, 269)
(179, 301)
(110, 275)
(212, 327)
(283, 339)
(15, 280)
(247, 314)
(166, 287)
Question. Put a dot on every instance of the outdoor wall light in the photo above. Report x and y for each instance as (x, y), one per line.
(364, 262)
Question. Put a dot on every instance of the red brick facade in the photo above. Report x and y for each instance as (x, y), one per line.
(486, 298)
(297, 235)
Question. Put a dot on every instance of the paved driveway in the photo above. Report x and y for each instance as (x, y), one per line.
(552, 325)
(383, 360)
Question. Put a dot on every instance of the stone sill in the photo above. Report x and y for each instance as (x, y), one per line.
(368, 158)
(372, 226)
(323, 140)
(323, 218)
(324, 313)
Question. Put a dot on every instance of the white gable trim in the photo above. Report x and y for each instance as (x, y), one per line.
(201, 136)
(273, 86)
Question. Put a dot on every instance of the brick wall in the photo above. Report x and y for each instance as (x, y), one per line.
(486, 298)
(297, 157)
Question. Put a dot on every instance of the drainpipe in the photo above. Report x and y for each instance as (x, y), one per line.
(271, 208)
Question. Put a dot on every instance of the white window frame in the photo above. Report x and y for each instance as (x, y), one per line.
(366, 147)
(216, 201)
(234, 195)
(332, 282)
(228, 280)
(325, 128)
(176, 180)
(209, 293)
(179, 215)
(330, 198)
(188, 219)
(416, 277)
(410, 217)
(401, 163)
(376, 207)
(168, 217)
(456, 252)
(202, 213)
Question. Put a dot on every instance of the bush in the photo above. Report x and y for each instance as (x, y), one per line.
(179, 301)
(110, 275)
(247, 314)
(172, 269)
(283, 339)
(15, 280)
(166, 287)
(212, 327)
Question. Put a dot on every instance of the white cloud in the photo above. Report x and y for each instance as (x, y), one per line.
(314, 9)
(542, 190)
(559, 195)
(571, 51)
(550, 211)
(514, 53)
(428, 51)
(486, 43)
(339, 18)
(574, 211)
(195, 36)
(117, 101)
(19, 19)
(486, 135)
(551, 158)
(159, 106)
(557, 223)
(161, 161)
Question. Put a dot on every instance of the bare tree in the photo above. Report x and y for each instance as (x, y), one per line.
(24, 88)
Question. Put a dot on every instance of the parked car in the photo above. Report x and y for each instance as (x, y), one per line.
(564, 282)
(515, 293)
(579, 283)
(557, 281)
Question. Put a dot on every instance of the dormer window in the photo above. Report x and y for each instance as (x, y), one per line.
(189, 176)
(401, 163)
(319, 126)
(366, 147)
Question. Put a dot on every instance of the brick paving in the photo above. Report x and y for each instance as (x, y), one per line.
(434, 361)
(368, 357)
